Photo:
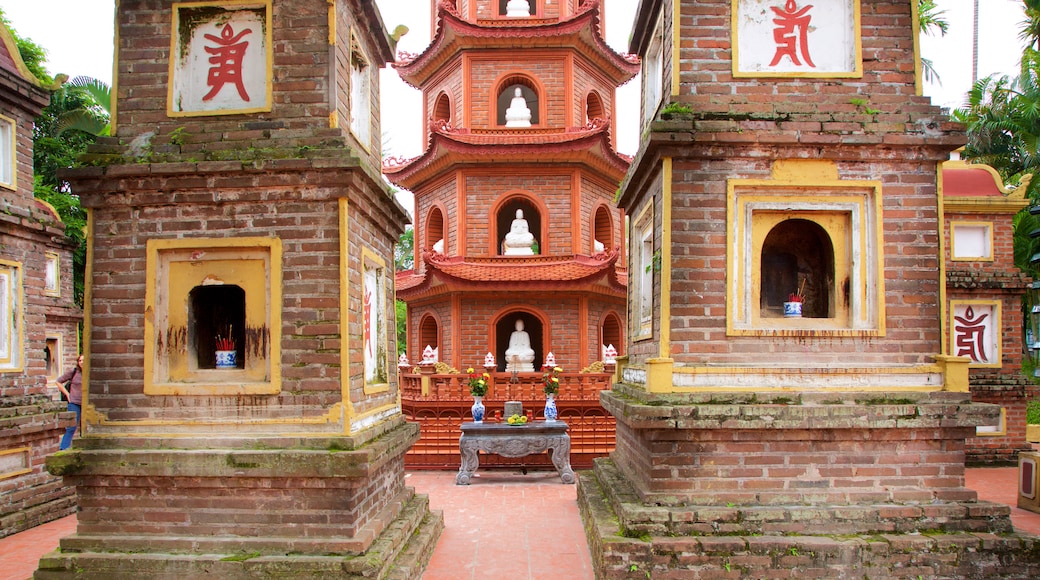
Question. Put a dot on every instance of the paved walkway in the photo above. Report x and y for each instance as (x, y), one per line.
(500, 526)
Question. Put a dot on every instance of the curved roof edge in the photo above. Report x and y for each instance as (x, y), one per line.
(14, 58)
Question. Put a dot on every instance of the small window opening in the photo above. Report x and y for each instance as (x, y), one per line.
(217, 317)
(603, 232)
(429, 334)
(798, 258)
(434, 231)
(505, 100)
(504, 330)
(507, 216)
(442, 109)
(594, 108)
(612, 333)
(52, 358)
(515, 7)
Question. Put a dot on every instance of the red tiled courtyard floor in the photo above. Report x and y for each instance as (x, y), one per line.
(500, 526)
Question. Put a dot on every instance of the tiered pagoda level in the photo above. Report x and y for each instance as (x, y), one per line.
(518, 113)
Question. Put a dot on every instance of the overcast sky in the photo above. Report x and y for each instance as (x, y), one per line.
(77, 35)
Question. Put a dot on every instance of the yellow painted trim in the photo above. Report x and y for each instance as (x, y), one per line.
(369, 256)
(915, 23)
(676, 45)
(201, 384)
(59, 362)
(50, 207)
(636, 324)
(659, 375)
(955, 373)
(12, 152)
(989, 229)
(18, 334)
(344, 309)
(57, 273)
(806, 178)
(28, 461)
(334, 120)
(332, 22)
(171, 79)
(664, 348)
(12, 48)
(114, 89)
(998, 330)
(1001, 430)
(773, 370)
(941, 209)
(857, 27)
(997, 179)
(358, 41)
(332, 416)
(88, 312)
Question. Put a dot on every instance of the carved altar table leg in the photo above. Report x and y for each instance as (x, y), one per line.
(470, 461)
(560, 451)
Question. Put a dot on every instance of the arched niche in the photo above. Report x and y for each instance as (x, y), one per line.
(533, 326)
(503, 218)
(612, 332)
(442, 108)
(216, 313)
(436, 228)
(603, 229)
(429, 333)
(594, 107)
(506, 89)
(798, 258)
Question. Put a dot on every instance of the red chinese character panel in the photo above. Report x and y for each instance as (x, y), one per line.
(221, 59)
(797, 37)
(975, 331)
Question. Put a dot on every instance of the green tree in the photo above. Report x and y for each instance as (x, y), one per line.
(54, 149)
(403, 260)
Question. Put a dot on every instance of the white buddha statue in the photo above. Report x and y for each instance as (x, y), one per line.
(518, 114)
(598, 247)
(519, 241)
(438, 247)
(519, 355)
(518, 8)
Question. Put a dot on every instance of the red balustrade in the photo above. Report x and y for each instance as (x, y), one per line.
(441, 402)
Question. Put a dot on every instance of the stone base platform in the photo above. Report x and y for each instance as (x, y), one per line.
(250, 508)
(734, 547)
(812, 485)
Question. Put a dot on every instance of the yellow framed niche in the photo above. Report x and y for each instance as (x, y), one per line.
(205, 295)
(805, 233)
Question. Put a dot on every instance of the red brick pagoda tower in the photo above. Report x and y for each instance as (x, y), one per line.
(515, 217)
(488, 159)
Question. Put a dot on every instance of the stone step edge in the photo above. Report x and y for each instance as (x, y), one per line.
(639, 517)
(401, 553)
(613, 550)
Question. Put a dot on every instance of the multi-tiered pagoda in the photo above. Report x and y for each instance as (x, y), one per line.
(515, 215)
(518, 99)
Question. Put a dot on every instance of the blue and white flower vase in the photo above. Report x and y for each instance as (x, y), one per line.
(226, 359)
(477, 409)
(792, 309)
(550, 407)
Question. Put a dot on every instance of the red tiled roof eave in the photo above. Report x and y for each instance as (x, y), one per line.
(447, 149)
(455, 33)
(516, 274)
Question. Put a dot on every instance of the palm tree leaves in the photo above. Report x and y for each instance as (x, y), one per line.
(94, 114)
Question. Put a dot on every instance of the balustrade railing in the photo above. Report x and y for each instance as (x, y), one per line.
(441, 402)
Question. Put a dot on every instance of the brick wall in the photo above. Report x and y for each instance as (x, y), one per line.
(215, 200)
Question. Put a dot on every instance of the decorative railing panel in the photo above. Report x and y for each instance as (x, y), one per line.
(441, 402)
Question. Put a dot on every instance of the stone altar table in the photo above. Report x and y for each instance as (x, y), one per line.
(515, 441)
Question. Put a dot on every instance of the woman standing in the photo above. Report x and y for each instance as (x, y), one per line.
(74, 394)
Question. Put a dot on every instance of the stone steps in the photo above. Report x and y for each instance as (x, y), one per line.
(621, 551)
(401, 552)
